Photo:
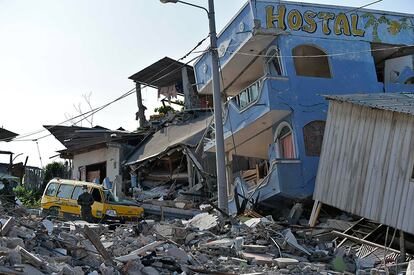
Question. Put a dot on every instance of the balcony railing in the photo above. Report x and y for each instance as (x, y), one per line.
(248, 95)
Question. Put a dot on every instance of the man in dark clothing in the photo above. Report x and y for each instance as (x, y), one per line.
(85, 201)
(7, 195)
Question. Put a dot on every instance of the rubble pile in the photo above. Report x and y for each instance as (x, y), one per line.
(205, 244)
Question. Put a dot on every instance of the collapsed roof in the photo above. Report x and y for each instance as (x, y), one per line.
(76, 138)
(185, 133)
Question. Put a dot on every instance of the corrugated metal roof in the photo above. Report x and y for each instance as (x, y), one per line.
(6, 135)
(165, 72)
(77, 138)
(396, 102)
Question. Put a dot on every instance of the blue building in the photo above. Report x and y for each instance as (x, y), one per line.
(277, 59)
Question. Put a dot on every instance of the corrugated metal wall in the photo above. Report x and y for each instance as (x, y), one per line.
(366, 164)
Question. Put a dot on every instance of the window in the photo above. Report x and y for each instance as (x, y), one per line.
(273, 62)
(77, 192)
(284, 142)
(248, 95)
(51, 189)
(311, 61)
(96, 195)
(65, 190)
(313, 137)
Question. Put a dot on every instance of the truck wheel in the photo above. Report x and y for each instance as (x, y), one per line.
(54, 211)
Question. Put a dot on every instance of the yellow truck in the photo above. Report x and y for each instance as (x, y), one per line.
(60, 198)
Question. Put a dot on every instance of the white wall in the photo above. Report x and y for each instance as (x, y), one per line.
(394, 66)
(111, 155)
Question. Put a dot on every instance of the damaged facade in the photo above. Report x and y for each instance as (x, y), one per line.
(95, 153)
(367, 160)
(277, 58)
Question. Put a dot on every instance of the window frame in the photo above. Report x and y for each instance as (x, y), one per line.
(277, 139)
(331, 75)
(309, 152)
(270, 58)
(81, 188)
(54, 191)
(64, 184)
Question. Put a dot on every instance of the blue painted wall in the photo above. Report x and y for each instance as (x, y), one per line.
(352, 68)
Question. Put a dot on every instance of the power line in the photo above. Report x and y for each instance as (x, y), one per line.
(94, 111)
(321, 55)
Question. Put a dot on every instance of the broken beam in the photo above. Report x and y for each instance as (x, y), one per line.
(139, 252)
(7, 226)
(91, 235)
(362, 241)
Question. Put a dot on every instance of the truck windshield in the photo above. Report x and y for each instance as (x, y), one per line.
(109, 196)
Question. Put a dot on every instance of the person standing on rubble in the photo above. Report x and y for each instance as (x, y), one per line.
(7, 195)
(85, 201)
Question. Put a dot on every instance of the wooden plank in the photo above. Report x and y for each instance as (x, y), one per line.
(317, 205)
(7, 226)
(94, 238)
(134, 255)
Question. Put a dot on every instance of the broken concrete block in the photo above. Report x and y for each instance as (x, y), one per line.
(149, 270)
(261, 259)
(180, 205)
(255, 248)
(107, 270)
(203, 221)
(14, 242)
(48, 225)
(219, 243)
(179, 254)
(78, 270)
(285, 262)
(14, 257)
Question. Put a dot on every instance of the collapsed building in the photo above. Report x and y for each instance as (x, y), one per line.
(277, 58)
(96, 153)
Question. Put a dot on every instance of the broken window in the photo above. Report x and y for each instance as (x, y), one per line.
(311, 61)
(65, 191)
(51, 189)
(313, 137)
(273, 62)
(284, 141)
(391, 61)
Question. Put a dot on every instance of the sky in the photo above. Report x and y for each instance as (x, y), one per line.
(52, 52)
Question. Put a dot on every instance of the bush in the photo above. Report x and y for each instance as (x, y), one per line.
(29, 198)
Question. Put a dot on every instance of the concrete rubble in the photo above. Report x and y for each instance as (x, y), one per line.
(206, 244)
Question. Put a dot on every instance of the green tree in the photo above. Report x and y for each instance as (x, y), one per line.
(163, 110)
(54, 170)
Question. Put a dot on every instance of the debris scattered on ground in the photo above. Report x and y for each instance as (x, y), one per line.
(204, 244)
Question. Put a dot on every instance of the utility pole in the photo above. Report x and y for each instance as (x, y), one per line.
(217, 105)
(218, 117)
